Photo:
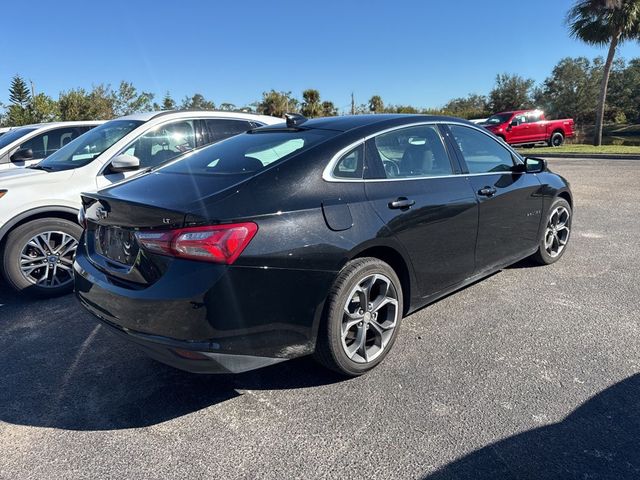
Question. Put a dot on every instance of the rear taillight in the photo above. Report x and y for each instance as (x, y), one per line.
(216, 243)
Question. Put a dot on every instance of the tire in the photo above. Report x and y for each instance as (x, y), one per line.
(52, 243)
(347, 354)
(556, 140)
(549, 252)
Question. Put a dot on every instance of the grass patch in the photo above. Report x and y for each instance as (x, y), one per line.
(580, 148)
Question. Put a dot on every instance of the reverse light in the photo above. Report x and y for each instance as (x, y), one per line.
(214, 243)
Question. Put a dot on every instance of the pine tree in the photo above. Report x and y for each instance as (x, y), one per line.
(20, 109)
(19, 92)
(168, 103)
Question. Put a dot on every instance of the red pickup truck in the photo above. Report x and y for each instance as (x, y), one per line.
(529, 127)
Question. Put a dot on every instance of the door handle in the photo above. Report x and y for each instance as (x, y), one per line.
(402, 202)
(487, 191)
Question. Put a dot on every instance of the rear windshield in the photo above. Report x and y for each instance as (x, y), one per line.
(248, 153)
(13, 135)
(86, 148)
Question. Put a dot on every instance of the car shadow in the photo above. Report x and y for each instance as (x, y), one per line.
(600, 439)
(62, 370)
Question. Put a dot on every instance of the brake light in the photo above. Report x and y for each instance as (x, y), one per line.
(214, 243)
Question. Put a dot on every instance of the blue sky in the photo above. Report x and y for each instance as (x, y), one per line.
(410, 52)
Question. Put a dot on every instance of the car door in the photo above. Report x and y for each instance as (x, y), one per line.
(415, 188)
(536, 127)
(519, 133)
(160, 144)
(510, 201)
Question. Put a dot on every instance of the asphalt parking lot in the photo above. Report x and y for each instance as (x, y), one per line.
(532, 373)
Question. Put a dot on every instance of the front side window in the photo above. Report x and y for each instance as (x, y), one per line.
(86, 148)
(351, 164)
(481, 153)
(413, 152)
(163, 143)
(520, 119)
(247, 153)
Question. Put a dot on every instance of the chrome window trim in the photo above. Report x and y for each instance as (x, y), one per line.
(327, 174)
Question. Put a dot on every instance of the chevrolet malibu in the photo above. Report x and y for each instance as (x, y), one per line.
(311, 237)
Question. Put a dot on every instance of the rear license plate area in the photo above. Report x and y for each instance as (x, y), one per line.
(117, 244)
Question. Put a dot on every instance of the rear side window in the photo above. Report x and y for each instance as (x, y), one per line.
(350, 164)
(46, 143)
(248, 153)
(481, 153)
(534, 117)
(413, 152)
(215, 129)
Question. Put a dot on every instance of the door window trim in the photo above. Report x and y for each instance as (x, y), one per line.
(327, 173)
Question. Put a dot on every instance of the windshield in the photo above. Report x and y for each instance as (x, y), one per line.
(13, 135)
(498, 118)
(86, 148)
(247, 153)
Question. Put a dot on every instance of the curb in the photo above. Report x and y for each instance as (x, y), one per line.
(596, 156)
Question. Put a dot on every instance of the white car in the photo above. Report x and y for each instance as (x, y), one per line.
(39, 205)
(25, 146)
(4, 130)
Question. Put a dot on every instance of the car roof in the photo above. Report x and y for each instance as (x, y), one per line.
(351, 122)
(147, 116)
(59, 124)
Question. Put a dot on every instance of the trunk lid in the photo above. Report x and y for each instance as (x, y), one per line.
(156, 201)
(110, 239)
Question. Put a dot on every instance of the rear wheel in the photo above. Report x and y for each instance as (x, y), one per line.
(38, 256)
(362, 317)
(556, 140)
(555, 236)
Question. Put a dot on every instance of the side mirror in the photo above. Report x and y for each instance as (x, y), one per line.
(535, 165)
(22, 154)
(124, 163)
(514, 123)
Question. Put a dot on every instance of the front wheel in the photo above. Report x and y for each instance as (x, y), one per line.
(555, 236)
(362, 317)
(38, 256)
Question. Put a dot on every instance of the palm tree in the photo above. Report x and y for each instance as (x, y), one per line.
(602, 22)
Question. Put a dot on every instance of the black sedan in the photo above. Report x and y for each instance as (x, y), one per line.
(311, 237)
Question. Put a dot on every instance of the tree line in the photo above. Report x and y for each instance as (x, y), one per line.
(571, 90)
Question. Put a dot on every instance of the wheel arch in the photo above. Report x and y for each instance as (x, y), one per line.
(398, 263)
(59, 211)
(567, 196)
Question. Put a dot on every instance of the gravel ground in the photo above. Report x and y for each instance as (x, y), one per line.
(532, 373)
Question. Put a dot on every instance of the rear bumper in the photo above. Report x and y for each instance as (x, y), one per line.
(194, 357)
(234, 318)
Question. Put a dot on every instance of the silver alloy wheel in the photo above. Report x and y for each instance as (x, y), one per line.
(47, 259)
(369, 319)
(556, 235)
